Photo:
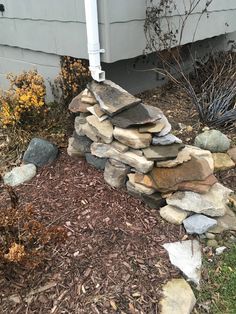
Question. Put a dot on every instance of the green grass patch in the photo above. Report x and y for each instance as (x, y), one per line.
(218, 293)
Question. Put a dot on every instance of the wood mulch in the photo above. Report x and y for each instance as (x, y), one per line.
(113, 259)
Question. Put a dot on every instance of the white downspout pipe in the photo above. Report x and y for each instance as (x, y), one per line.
(91, 13)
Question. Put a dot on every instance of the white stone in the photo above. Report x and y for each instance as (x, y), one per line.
(187, 256)
(168, 139)
(173, 215)
(178, 298)
(220, 250)
(213, 203)
(167, 127)
(198, 224)
(140, 163)
(19, 175)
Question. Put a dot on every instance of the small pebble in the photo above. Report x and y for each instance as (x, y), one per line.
(220, 250)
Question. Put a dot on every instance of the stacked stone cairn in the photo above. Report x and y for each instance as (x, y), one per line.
(133, 144)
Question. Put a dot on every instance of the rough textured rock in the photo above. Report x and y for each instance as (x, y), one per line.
(145, 180)
(112, 99)
(201, 187)
(81, 143)
(161, 153)
(178, 298)
(132, 138)
(141, 164)
(138, 115)
(40, 152)
(225, 223)
(19, 175)
(115, 173)
(167, 127)
(213, 140)
(98, 163)
(77, 106)
(167, 179)
(119, 146)
(168, 139)
(87, 97)
(103, 129)
(198, 224)
(139, 187)
(212, 204)
(79, 121)
(132, 190)
(137, 152)
(201, 154)
(152, 128)
(222, 162)
(232, 153)
(154, 200)
(97, 112)
(87, 130)
(173, 214)
(73, 152)
(187, 256)
(183, 156)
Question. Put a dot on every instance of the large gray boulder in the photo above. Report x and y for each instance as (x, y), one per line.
(198, 224)
(213, 140)
(19, 175)
(40, 152)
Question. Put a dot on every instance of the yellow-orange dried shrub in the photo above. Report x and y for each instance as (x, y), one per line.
(24, 239)
(26, 94)
(73, 77)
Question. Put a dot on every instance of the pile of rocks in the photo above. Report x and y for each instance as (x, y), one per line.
(133, 143)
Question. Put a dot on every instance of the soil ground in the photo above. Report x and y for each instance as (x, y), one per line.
(113, 260)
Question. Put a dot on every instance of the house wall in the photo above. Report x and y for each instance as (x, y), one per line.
(58, 26)
(33, 34)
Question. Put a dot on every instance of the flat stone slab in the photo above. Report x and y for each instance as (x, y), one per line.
(19, 175)
(178, 298)
(161, 153)
(183, 156)
(140, 163)
(152, 128)
(76, 105)
(222, 162)
(139, 187)
(187, 256)
(111, 98)
(40, 152)
(168, 179)
(145, 180)
(201, 187)
(173, 214)
(198, 224)
(167, 139)
(212, 204)
(132, 138)
(97, 112)
(137, 115)
(103, 129)
(213, 140)
(201, 154)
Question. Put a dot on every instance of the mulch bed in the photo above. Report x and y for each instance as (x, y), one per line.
(113, 259)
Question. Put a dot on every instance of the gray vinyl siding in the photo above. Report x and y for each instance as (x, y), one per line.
(58, 26)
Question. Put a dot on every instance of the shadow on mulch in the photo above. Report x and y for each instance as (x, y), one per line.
(113, 260)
